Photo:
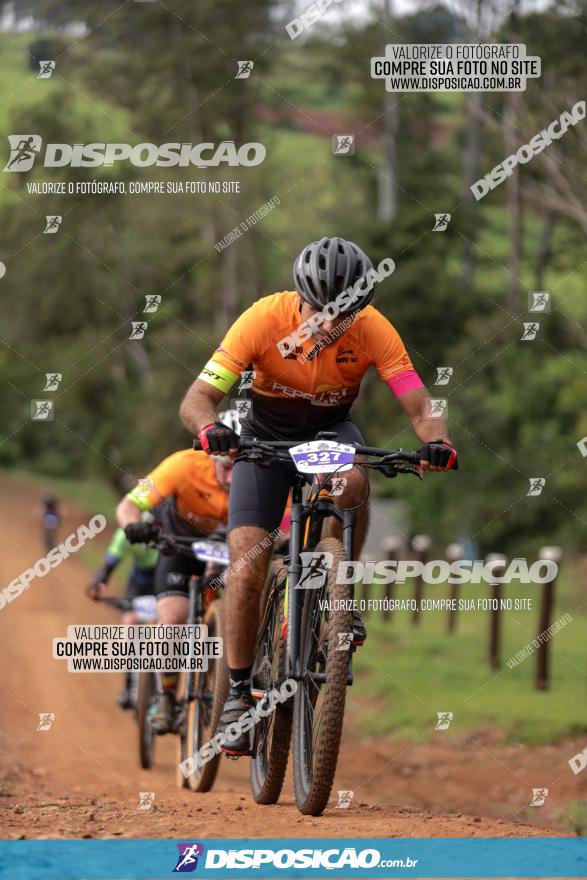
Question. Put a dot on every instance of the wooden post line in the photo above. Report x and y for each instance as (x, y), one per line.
(453, 553)
(420, 546)
(495, 613)
(542, 677)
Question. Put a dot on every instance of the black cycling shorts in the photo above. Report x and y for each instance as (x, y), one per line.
(173, 573)
(258, 495)
(141, 582)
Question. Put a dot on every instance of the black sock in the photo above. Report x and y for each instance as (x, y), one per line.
(240, 681)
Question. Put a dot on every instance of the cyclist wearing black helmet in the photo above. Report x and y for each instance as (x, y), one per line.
(301, 356)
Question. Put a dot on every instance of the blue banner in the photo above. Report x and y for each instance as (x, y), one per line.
(276, 858)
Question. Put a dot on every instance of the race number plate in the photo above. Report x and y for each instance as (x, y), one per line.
(145, 607)
(322, 457)
(211, 551)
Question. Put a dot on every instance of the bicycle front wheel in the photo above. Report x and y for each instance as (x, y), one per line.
(146, 695)
(204, 711)
(320, 697)
(272, 733)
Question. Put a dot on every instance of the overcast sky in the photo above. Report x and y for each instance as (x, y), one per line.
(359, 9)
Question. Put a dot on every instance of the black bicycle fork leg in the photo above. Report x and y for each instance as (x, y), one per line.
(349, 520)
(295, 596)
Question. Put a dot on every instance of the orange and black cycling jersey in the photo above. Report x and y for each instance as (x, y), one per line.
(188, 478)
(304, 390)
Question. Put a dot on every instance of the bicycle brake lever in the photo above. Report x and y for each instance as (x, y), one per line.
(388, 470)
(267, 461)
(408, 469)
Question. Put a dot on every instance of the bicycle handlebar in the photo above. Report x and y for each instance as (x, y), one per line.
(115, 602)
(389, 458)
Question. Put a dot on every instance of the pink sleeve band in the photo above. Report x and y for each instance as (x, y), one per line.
(404, 382)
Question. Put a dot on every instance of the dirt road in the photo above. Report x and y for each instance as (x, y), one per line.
(81, 778)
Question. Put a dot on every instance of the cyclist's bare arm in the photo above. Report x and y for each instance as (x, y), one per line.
(127, 512)
(417, 406)
(198, 408)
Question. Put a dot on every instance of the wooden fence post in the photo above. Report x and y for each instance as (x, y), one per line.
(453, 553)
(542, 679)
(495, 613)
(420, 546)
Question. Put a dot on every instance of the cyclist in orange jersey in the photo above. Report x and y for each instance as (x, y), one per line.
(301, 355)
(192, 491)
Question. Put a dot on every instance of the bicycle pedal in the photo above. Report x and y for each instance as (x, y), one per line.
(232, 756)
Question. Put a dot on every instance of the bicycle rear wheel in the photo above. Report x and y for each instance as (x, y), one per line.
(319, 704)
(204, 711)
(147, 736)
(272, 734)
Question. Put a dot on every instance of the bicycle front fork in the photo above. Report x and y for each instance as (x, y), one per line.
(296, 593)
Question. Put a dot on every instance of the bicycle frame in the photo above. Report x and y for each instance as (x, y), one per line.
(314, 511)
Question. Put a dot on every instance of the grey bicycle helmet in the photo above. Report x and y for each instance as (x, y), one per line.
(327, 267)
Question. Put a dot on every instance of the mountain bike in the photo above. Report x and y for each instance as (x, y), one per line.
(145, 686)
(306, 630)
(200, 695)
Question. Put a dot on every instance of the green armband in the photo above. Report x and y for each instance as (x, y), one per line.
(218, 376)
(138, 497)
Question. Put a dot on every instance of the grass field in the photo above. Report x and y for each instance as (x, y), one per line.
(412, 672)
